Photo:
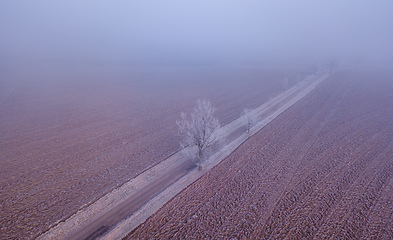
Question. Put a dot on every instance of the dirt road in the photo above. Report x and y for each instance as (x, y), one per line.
(161, 177)
(105, 222)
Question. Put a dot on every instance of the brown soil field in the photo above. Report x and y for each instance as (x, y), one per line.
(69, 137)
(321, 170)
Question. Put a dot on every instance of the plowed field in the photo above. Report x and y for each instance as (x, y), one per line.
(67, 138)
(322, 170)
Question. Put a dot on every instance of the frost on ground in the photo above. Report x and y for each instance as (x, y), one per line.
(281, 101)
(69, 138)
(323, 169)
(284, 101)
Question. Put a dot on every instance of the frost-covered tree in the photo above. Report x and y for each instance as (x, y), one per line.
(201, 131)
(249, 119)
(285, 83)
(332, 65)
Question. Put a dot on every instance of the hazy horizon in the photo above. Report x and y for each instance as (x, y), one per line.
(196, 31)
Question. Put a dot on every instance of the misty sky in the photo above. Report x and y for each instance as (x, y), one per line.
(130, 30)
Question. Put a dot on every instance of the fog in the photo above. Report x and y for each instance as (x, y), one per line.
(203, 31)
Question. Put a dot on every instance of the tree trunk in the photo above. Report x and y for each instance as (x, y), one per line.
(201, 156)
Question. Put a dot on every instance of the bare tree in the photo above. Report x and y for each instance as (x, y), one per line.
(285, 83)
(201, 131)
(332, 65)
(249, 119)
(315, 67)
